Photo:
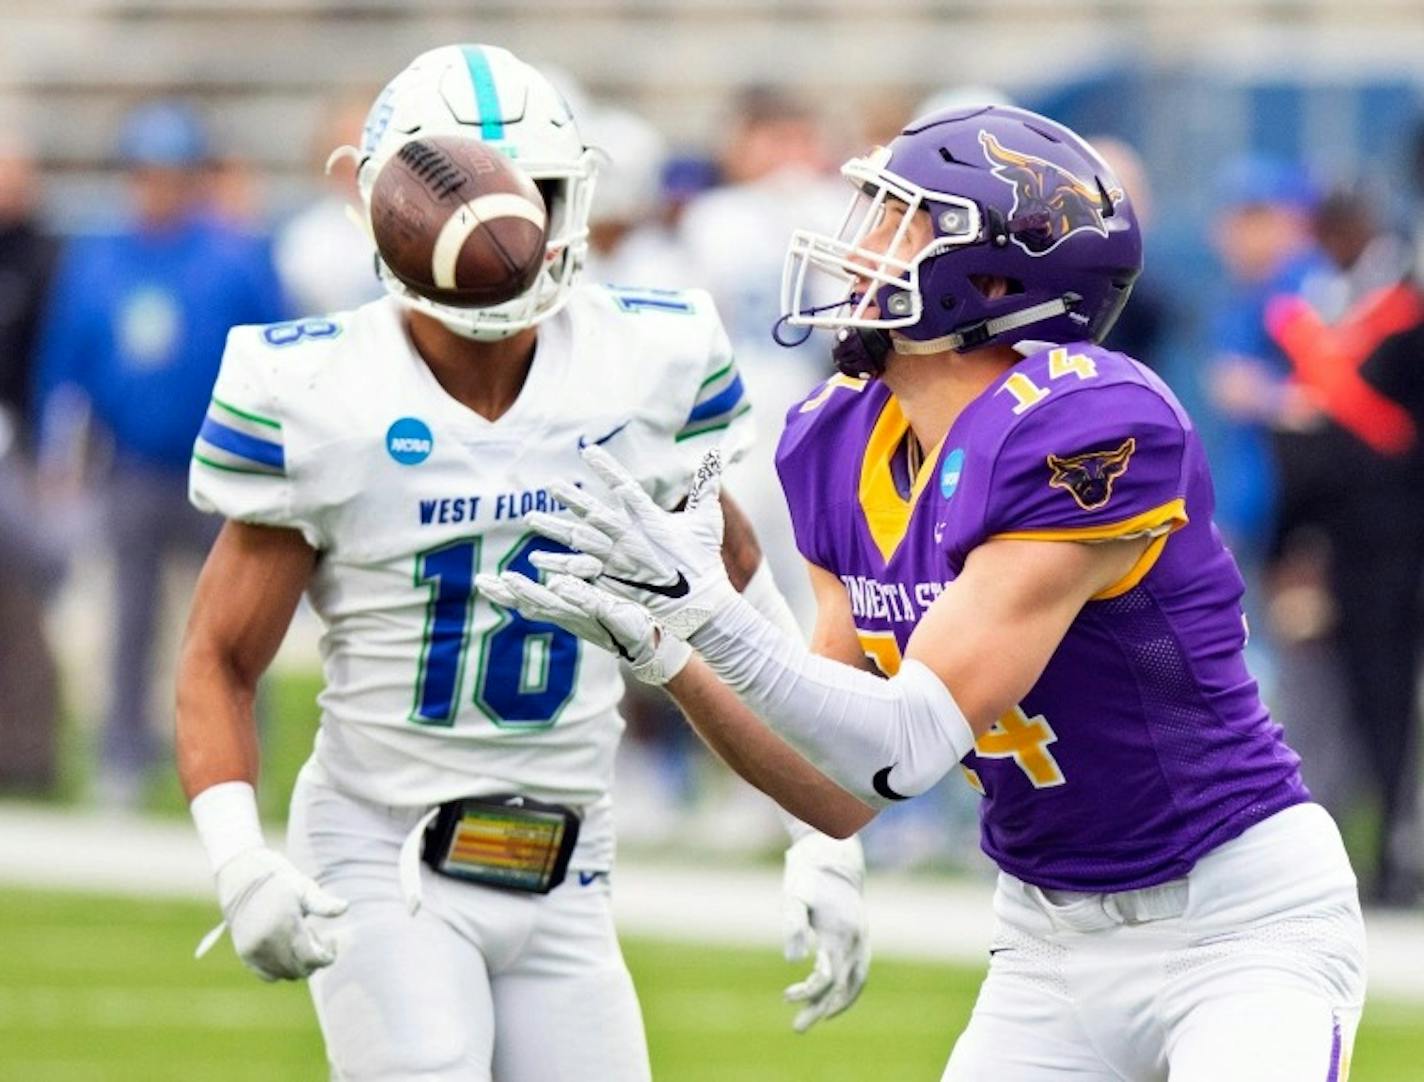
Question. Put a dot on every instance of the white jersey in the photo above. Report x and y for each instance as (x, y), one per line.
(337, 428)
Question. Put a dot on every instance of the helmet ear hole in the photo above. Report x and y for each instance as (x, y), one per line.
(992, 286)
(554, 192)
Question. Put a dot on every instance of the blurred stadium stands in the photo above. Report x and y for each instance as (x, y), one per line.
(1188, 82)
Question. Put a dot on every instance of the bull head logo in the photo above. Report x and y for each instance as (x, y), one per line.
(1058, 203)
(1089, 478)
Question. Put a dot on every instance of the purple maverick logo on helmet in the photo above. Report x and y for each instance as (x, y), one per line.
(1089, 478)
(1050, 203)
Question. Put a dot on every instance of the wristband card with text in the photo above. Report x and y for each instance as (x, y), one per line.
(503, 841)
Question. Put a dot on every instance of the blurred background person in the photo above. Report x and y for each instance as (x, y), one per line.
(1415, 194)
(1142, 329)
(1352, 482)
(325, 261)
(628, 204)
(1395, 367)
(1264, 455)
(134, 330)
(632, 242)
(31, 566)
(777, 175)
(1264, 237)
(29, 563)
(234, 196)
(27, 253)
(653, 252)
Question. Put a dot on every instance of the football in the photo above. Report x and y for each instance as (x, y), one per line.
(457, 222)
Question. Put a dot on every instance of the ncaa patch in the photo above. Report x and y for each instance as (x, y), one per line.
(1089, 478)
(409, 441)
(950, 472)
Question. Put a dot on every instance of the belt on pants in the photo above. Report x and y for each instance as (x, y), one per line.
(1093, 912)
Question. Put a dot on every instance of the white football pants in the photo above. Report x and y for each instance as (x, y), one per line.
(480, 984)
(1250, 969)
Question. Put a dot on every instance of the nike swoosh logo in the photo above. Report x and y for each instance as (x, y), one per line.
(585, 878)
(881, 783)
(604, 438)
(622, 650)
(677, 588)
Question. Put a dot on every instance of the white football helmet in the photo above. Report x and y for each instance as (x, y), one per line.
(484, 92)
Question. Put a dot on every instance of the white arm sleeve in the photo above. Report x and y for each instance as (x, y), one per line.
(762, 594)
(881, 740)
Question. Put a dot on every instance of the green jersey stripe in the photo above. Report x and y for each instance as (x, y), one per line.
(712, 424)
(254, 417)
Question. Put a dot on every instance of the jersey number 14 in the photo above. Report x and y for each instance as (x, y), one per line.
(527, 669)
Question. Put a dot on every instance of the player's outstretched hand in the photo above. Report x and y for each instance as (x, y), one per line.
(596, 616)
(267, 902)
(824, 909)
(669, 562)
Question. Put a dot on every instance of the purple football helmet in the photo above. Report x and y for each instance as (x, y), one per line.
(1011, 195)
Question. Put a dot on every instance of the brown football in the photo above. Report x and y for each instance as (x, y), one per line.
(458, 222)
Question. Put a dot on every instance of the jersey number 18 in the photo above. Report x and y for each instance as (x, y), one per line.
(527, 669)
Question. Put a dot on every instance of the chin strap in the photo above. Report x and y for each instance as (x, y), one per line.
(977, 334)
(860, 352)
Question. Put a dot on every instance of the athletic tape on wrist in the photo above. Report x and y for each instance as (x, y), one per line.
(227, 821)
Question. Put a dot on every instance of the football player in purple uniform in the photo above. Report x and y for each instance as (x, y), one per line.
(1011, 527)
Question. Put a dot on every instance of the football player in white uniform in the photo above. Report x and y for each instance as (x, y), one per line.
(451, 836)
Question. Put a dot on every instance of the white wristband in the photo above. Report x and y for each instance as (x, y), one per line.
(669, 657)
(226, 817)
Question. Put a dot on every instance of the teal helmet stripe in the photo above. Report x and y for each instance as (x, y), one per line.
(486, 93)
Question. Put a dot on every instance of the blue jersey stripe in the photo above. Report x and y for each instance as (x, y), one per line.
(243, 445)
(486, 93)
(718, 403)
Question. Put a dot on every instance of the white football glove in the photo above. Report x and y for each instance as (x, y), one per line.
(266, 903)
(824, 908)
(596, 616)
(669, 562)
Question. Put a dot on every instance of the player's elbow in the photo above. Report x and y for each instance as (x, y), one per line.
(849, 825)
(841, 817)
(210, 667)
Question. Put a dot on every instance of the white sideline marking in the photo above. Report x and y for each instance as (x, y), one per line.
(42, 1007)
(912, 918)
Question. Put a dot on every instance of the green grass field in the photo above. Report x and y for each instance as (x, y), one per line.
(105, 990)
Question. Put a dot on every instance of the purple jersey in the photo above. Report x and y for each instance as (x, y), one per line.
(1144, 744)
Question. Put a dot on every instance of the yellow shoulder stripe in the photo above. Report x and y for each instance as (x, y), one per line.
(1161, 521)
(1144, 564)
(1172, 514)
